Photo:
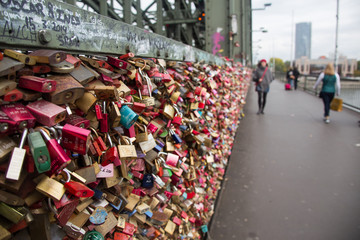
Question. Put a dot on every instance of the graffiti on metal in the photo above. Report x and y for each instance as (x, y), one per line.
(52, 24)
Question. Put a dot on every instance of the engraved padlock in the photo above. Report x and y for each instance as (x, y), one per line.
(59, 158)
(20, 115)
(75, 139)
(127, 151)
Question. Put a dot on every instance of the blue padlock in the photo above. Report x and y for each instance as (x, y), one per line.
(128, 117)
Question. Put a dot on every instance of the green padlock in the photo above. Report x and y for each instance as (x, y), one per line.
(93, 235)
(39, 151)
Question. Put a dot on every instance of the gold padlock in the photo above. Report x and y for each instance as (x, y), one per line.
(141, 136)
(86, 102)
(127, 151)
(169, 111)
(51, 188)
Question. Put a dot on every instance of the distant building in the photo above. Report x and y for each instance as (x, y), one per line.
(303, 40)
(346, 67)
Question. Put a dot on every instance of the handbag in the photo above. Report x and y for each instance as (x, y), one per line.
(336, 104)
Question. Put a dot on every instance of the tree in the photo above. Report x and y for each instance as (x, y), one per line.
(279, 65)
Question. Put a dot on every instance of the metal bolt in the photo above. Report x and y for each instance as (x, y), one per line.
(44, 36)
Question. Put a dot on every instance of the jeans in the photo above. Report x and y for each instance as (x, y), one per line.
(327, 98)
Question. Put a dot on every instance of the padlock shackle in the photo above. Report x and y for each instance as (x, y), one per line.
(23, 137)
(94, 131)
(109, 138)
(162, 153)
(68, 109)
(45, 135)
(52, 208)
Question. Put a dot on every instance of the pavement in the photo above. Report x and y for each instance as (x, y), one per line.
(290, 175)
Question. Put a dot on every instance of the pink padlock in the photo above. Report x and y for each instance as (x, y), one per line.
(152, 128)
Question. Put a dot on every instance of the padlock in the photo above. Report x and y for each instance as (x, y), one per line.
(48, 56)
(64, 214)
(168, 111)
(62, 67)
(177, 119)
(136, 106)
(39, 151)
(149, 101)
(41, 68)
(106, 79)
(14, 214)
(141, 137)
(174, 136)
(86, 102)
(78, 189)
(115, 115)
(75, 139)
(73, 60)
(43, 85)
(76, 120)
(28, 60)
(104, 127)
(47, 113)
(9, 66)
(99, 140)
(17, 159)
(68, 90)
(148, 145)
(59, 158)
(128, 117)
(20, 115)
(127, 151)
(111, 155)
(118, 63)
(83, 74)
(7, 125)
(104, 92)
(13, 96)
(6, 86)
(51, 188)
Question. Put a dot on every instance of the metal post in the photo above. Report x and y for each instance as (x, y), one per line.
(103, 8)
(336, 36)
(127, 11)
(292, 39)
(139, 19)
(159, 17)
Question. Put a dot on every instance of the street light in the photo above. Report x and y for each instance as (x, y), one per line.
(263, 30)
(265, 5)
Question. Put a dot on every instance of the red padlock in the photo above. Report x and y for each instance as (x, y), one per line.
(78, 189)
(47, 113)
(75, 139)
(13, 96)
(106, 80)
(20, 115)
(111, 155)
(43, 85)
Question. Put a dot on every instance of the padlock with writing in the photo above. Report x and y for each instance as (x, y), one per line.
(21, 115)
(59, 158)
(39, 151)
(104, 126)
(168, 111)
(47, 113)
(174, 136)
(78, 189)
(75, 139)
(17, 159)
(127, 151)
(43, 85)
(148, 145)
(7, 125)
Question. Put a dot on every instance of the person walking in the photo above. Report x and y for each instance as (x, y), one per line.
(290, 77)
(296, 74)
(263, 78)
(329, 79)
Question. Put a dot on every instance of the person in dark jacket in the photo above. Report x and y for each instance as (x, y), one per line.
(290, 77)
(330, 79)
(263, 78)
(296, 74)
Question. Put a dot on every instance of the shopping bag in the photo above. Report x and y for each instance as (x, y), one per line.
(336, 104)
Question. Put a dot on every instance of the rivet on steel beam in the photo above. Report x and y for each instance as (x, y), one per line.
(45, 36)
(158, 53)
(166, 54)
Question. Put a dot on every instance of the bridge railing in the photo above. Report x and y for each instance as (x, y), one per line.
(350, 88)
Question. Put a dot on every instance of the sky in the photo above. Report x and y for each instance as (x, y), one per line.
(280, 18)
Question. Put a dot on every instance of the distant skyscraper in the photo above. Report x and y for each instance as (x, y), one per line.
(303, 40)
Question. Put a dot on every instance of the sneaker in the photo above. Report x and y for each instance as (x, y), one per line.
(258, 112)
(262, 112)
(327, 121)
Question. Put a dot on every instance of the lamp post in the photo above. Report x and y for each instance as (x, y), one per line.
(264, 31)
